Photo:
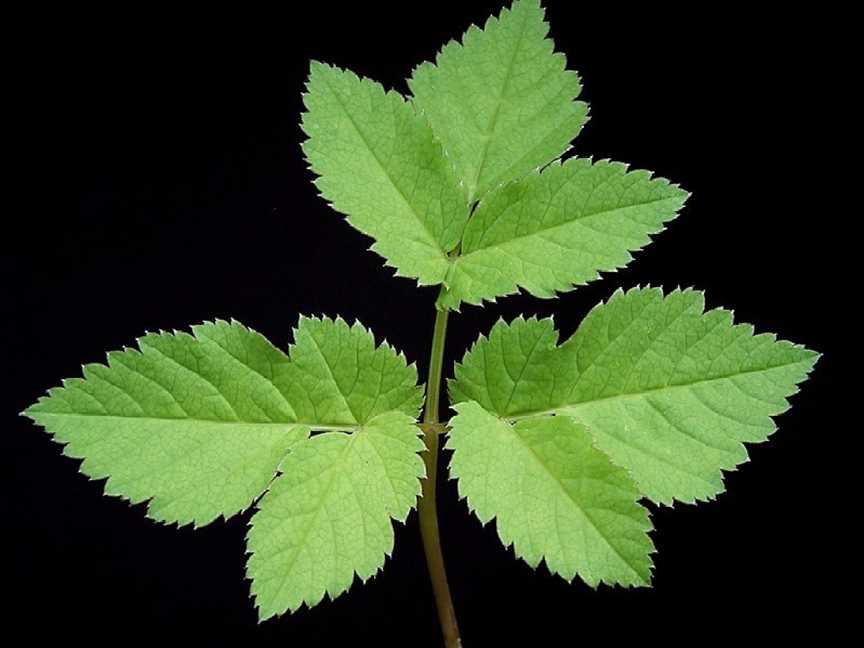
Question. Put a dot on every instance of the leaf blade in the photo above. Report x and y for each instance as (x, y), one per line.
(378, 163)
(337, 369)
(149, 423)
(500, 101)
(329, 515)
(558, 229)
(554, 496)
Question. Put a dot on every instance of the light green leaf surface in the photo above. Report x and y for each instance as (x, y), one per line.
(668, 391)
(338, 375)
(516, 369)
(328, 516)
(198, 424)
(558, 228)
(379, 164)
(501, 101)
(554, 496)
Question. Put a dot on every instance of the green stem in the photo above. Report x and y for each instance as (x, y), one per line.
(428, 509)
(436, 361)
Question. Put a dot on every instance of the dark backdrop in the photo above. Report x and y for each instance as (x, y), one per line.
(171, 147)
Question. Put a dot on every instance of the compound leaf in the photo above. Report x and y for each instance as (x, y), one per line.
(380, 165)
(199, 424)
(558, 228)
(667, 391)
(501, 101)
(328, 516)
(554, 496)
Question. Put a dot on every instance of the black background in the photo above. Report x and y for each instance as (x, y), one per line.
(171, 145)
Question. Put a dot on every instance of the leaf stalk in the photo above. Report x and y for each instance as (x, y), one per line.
(427, 509)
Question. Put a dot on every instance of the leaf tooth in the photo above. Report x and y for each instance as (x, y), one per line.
(338, 321)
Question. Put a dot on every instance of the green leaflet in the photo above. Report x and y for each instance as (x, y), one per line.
(554, 496)
(501, 102)
(329, 514)
(379, 164)
(558, 228)
(668, 391)
(197, 423)
(517, 368)
(338, 375)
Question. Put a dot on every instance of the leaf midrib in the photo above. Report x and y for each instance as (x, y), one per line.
(202, 421)
(671, 387)
(551, 228)
(490, 130)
